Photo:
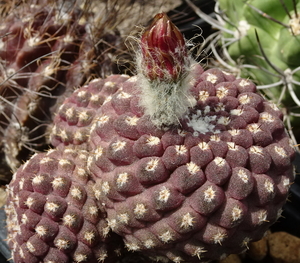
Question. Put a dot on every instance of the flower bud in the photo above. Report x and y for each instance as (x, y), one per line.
(164, 53)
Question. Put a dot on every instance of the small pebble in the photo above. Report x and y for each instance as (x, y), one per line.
(284, 248)
(233, 258)
(258, 250)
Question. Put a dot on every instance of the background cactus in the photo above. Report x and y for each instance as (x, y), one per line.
(46, 52)
(260, 40)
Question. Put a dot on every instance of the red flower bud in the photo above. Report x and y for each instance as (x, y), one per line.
(164, 53)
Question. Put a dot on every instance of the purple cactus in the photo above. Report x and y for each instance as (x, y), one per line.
(189, 165)
(52, 214)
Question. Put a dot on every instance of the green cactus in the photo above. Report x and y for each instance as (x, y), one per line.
(261, 40)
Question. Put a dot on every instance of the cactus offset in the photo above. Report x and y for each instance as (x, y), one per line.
(53, 216)
(74, 119)
(194, 179)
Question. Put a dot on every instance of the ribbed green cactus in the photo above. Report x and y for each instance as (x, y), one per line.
(261, 40)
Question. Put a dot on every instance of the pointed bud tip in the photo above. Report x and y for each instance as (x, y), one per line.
(164, 52)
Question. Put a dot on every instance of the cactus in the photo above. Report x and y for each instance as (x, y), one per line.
(52, 217)
(175, 121)
(189, 165)
(260, 40)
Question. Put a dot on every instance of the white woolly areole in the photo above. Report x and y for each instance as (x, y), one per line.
(202, 123)
(294, 24)
(167, 102)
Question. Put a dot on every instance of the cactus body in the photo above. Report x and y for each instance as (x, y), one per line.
(186, 193)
